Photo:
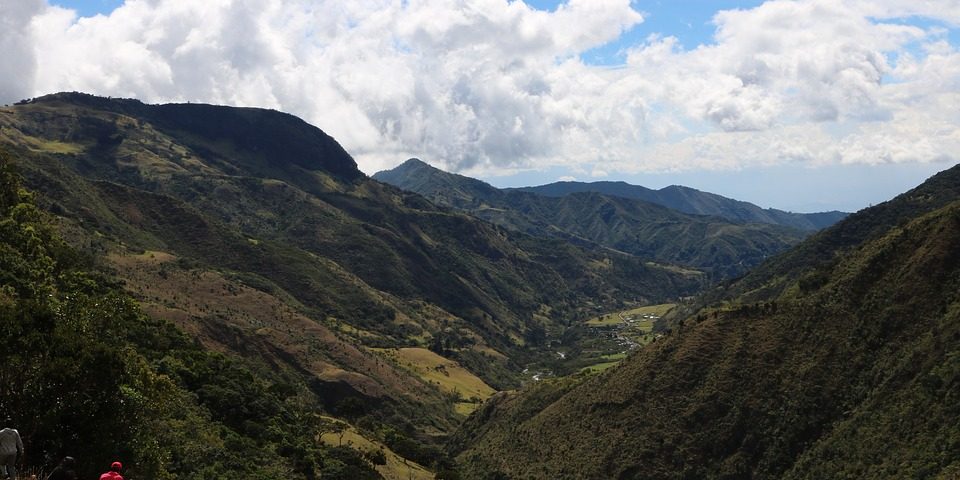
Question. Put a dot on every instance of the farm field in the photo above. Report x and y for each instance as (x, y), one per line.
(617, 318)
(607, 361)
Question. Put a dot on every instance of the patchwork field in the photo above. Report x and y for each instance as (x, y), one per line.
(644, 312)
(612, 335)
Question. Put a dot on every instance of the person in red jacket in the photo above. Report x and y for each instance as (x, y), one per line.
(114, 473)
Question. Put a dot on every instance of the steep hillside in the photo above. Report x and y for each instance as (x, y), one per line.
(827, 246)
(256, 233)
(690, 200)
(86, 374)
(719, 247)
(848, 371)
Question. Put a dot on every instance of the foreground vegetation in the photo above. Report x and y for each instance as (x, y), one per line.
(86, 374)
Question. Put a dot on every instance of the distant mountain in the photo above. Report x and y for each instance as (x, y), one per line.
(256, 234)
(442, 188)
(690, 200)
(651, 231)
(838, 359)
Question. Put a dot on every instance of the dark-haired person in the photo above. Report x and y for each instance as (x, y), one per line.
(11, 447)
(114, 473)
(64, 471)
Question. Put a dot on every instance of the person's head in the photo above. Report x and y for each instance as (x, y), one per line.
(116, 467)
(68, 462)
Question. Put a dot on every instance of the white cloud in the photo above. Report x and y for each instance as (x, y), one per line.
(945, 10)
(17, 62)
(494, 85)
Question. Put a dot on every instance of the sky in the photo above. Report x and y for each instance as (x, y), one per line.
(803, 105)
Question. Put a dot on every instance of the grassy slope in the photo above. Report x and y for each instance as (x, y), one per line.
(726, 249)
(432, 368)
(772, 277)
(853, 375)
(395, 467)
(387, 239)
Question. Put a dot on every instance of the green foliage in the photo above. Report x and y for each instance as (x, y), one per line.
(342, 463)
(66, 375)
(376, 457)
(411, 449)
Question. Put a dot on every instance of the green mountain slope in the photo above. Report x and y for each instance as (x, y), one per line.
(849, 370)
(691, 200)
(86, 374)
(720, 247)
(825, 247)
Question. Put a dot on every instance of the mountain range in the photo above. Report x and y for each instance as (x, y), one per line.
(691, 200)
(725, 244)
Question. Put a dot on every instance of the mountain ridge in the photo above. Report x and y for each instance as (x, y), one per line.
(717, 246)
(691, 200)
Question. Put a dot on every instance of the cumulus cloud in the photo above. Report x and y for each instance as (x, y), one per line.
(494, 85)
(17, 63)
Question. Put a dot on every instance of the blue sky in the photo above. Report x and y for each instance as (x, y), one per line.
(89, 8)
(807, 105)
(688, 20)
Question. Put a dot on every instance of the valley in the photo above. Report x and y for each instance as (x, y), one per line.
(257, 298)
(599, 343)
(253, 234)
(808, 376)
(480, 240)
